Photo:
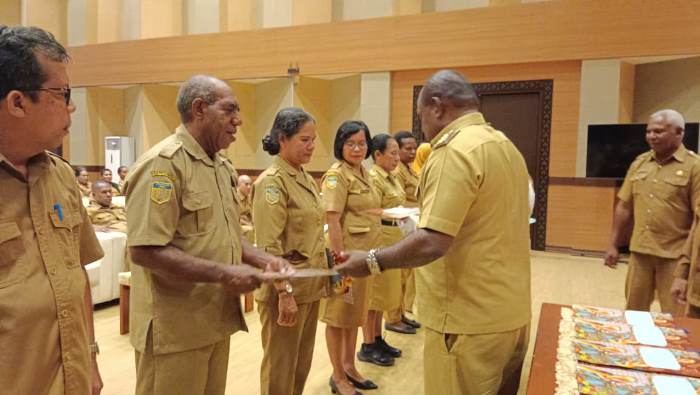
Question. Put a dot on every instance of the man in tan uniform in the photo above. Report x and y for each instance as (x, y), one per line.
(185, 239)
(409, 182)
(245, 184)
(46, 329)
(103, 214)
(473, 238)
(660, 192)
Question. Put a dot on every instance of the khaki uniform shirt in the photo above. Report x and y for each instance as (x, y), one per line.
(388, 187)
(289, 214)
(350, 193)
(45, 239)
(85, 190)
(688, 267)
(662, 197)
(246, 217)
(113, 217)
(177, 195)
(409, 182)
(474, 188)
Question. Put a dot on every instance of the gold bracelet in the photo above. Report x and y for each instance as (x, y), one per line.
(372, 263)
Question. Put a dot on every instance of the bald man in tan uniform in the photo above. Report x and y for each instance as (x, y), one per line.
(104, 215)
(473, 245)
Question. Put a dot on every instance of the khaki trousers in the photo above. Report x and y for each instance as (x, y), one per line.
(408, 297)
(193, 372)
(648, 275)
(287, 351)
(483, 364)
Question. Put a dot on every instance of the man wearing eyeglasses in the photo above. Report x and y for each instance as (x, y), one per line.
(46, 329)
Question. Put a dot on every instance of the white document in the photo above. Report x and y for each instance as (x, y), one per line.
(399, 212)
(639, 318)
(659, 358)
(649, 335)
(672, 385)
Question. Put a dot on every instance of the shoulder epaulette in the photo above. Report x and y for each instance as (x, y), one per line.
(170, 149)
(53, 155)
(446, 138)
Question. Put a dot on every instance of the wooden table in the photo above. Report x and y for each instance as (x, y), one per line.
(544, 357)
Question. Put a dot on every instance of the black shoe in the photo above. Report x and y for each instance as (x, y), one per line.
(386, 348)
(363, 385)
(334, 388)
(410, 322)
(369, 353)
(400, 327)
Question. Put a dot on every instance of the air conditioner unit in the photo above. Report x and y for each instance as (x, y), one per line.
(119, 151)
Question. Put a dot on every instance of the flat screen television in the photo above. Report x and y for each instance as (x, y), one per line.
(612, 148)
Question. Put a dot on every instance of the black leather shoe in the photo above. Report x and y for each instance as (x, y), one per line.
(400, 327)
(410, 322)
(334, 388)
(370, 353)
(363, 385)
(386, 348)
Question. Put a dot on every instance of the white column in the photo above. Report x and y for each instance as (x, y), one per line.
(201, 16)
(599, 102)
(375, 101)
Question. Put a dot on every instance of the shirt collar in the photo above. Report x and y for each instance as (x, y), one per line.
(192, 146)
(472, 118)
(680, 154)
(381, 171)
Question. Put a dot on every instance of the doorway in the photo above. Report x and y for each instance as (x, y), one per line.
(523, 111)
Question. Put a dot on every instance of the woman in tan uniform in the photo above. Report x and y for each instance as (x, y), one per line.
(385, 294)
(352, 213)
(289, 215)
(81, 176)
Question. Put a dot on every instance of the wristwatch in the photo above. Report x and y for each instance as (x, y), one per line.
(94, 348)
(372, 263)
(287, 289)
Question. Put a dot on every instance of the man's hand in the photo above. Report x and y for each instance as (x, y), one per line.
(679, 290)
(96, 378)
(241, 278)
(287, 310)
(355, 264)
(611, 257)
(279, 265)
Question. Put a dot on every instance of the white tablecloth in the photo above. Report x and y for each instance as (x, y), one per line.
(104, 273)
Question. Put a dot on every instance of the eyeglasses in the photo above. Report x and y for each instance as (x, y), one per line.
(352, 145)
(65, 92)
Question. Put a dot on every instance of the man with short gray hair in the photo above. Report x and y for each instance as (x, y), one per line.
(658, 198)
(185, 239)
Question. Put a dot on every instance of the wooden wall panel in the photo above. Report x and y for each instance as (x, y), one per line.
(536, 32)
(580, 217)
(565, 102)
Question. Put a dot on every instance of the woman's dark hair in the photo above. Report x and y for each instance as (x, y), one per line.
(400, 136)
(287, 123)
(79, 170)
(379, 143)
(106, 170)
(347, 129)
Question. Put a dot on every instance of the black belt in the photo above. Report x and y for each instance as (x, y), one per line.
(391, 222)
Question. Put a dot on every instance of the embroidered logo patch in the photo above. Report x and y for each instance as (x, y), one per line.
(161, 192)
(272, 194)
(331, 181)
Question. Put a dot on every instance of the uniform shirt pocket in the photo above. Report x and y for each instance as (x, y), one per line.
(12, 247)
(66, 232)
(675, 184)
(637, 181)
(197, 218)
